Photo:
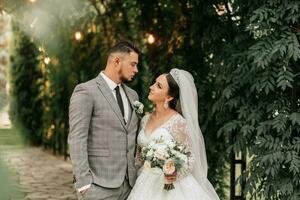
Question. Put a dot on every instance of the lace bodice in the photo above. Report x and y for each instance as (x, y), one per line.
(174, 128)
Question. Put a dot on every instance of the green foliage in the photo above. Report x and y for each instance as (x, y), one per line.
(26, 105)
(260, 102)
(184, 37)
(244, 59)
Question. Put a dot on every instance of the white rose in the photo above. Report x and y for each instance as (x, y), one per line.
(160, 153)
(170, 144)
(150, 153)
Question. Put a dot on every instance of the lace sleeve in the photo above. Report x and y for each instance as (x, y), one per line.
(179, 131)
(139, 162)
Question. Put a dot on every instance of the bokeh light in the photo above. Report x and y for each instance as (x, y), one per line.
(78, 35)
(47, 60)
(151, 39)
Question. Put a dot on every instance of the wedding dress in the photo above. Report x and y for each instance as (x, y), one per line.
(183, 127)
(150, 182)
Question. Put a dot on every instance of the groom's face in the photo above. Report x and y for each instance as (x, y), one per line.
(128, 68)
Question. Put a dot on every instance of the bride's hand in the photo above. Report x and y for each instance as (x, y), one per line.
(171, 178)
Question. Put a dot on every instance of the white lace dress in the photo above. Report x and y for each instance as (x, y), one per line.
(150, 183)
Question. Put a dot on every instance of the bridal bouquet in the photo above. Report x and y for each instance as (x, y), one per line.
(170, 156)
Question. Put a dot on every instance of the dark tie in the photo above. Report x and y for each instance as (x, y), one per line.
(119, 100)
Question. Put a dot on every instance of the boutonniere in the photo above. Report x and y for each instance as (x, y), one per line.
(138, 107)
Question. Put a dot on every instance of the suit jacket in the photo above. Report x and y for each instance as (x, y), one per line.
(102, 146)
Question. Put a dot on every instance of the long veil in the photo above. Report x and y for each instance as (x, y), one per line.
(188, 106)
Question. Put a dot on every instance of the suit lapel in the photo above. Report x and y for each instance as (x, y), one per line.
(105, 90)
(130, 101)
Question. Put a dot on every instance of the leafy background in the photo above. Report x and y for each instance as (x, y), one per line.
(244, 56)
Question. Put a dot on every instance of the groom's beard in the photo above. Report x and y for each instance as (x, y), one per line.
(124, 80)
(122, 77)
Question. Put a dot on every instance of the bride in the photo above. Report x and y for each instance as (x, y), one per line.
(175, 117)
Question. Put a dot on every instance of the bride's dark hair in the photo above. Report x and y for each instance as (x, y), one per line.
(173, 91)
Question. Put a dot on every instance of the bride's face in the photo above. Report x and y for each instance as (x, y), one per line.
(159, 90)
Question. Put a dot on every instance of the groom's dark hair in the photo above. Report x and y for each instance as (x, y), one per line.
(124, 46)
(173, 91)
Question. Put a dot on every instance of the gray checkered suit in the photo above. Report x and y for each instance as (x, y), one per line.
(102, 146)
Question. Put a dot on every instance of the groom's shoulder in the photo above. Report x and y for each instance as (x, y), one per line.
(132, 91)
(87, 84)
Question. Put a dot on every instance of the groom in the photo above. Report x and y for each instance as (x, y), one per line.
(103, 128)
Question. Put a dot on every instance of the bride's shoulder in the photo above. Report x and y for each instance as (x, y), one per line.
(145, 118)
(178, 117)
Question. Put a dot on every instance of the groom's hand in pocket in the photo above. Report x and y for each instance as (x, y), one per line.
(83, 192)
(84, 189)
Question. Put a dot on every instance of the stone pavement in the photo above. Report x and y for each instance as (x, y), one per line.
(33, 173)
(40, 175)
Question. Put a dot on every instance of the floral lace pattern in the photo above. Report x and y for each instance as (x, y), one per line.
(174, 128)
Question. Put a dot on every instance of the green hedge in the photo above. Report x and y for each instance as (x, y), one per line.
(244, 57)
(26, 109)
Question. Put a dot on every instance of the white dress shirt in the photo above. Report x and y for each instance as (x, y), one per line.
(112, 85)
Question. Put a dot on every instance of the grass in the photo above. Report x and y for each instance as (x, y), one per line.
(10, 136)
(10, 140)
(9, 188)
(3, 101)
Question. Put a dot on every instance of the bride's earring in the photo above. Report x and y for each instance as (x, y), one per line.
(166, 105)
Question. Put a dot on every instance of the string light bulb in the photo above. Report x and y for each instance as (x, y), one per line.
(151, 39)
(78, 35)
(47, 60)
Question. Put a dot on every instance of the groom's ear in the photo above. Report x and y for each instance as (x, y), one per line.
(117, 60)
(114, 59)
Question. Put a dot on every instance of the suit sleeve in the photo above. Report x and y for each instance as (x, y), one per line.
(80, 112)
